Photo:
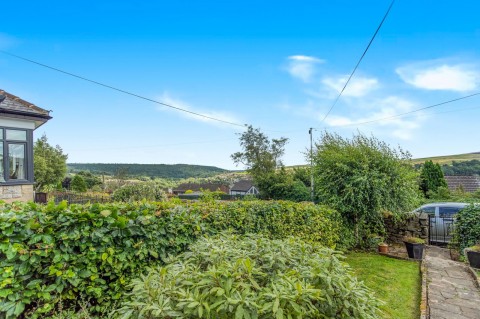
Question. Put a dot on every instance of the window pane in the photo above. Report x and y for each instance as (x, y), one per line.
(428, 210)
(16, 135)
(1, 134)
(447, 212)
(2, 178)
(16, 156)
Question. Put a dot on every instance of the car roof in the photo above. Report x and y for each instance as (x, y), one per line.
(446, 204)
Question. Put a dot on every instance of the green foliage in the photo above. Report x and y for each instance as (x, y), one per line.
(282, 185)
(462, 168)
(149, 191)
(78, 184)
(50, 164)
(467, 227)
(150, 170)
(251, 277)
(91, 180)
(361, 178)
(51, 254)
(259, 154)
(431, 178)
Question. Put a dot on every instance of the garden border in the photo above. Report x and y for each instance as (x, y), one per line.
(476, 279)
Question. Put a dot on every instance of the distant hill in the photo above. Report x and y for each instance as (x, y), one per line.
(448, 159)
(149, 170)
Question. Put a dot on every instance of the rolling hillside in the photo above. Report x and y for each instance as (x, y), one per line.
(448, 159)
(149, 170)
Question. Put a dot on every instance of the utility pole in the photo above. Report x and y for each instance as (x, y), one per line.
(310, 131)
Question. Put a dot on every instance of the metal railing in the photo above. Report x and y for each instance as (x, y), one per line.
(440, 230)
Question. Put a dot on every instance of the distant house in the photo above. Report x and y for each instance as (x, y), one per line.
(244, 187)
(198, 187)
(469, 183)
(18, 120)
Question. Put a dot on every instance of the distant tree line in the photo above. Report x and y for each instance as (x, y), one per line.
(150, 170)
(462, 168)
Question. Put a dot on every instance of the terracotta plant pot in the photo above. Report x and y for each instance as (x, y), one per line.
(383, 248)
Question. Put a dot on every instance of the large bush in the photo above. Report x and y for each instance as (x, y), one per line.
(467, 227)
(251, 277)
(363, 177)
(139, 191)
(53, 255)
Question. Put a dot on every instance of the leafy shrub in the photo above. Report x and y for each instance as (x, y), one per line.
(78, 184)
(139, 191)
(467, 227)
(62, 253)
(251, 277)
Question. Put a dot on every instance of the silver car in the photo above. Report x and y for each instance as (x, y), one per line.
(442, 218)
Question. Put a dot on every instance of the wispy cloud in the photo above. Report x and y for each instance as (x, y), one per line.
(168, 99)
(439, 75)
(357, 87)
(399, 127)
(303, 67)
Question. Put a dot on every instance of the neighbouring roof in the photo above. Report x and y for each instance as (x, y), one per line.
(16, 107)
(469, 183)
(198, 187)
(242, 185)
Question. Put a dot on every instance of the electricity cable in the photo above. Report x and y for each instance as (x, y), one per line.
(360, 60)
(121, 90)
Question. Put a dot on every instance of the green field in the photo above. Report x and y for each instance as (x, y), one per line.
(396, 282)
(447, 159)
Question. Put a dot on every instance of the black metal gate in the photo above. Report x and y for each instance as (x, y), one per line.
(440, 230)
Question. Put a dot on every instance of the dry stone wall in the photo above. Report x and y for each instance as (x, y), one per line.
(415, 225)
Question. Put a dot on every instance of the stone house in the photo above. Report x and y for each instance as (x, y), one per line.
(18, 120)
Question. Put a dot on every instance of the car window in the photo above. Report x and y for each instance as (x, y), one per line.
(428, 210)
(447, 212)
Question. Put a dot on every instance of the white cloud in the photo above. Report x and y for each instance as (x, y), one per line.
(438, 75)
(302, 66)
(357, 87)
(168, 99)
(400, 127)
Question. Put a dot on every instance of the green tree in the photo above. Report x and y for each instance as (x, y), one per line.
(50, 164)
(78, 184)
(363, 178)
(260, 155)
(90, 179)
(431, 178)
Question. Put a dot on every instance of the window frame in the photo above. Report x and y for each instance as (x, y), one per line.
(28, 156)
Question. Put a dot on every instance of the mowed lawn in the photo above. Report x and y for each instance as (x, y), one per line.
(396, 282)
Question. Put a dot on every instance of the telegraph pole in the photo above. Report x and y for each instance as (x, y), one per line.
(310, 131)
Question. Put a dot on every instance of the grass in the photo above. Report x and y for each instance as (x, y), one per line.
(448, 158)
(396, 282)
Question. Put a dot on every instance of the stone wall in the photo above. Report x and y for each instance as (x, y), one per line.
(13, 193)
(415, 225)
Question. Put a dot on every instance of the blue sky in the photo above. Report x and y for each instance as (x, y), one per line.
(277, 65)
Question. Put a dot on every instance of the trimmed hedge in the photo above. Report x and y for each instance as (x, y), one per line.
(56, 254)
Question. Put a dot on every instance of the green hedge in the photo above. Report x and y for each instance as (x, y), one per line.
(55, 254)
(467, 227)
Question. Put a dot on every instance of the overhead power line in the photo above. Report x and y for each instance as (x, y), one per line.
(121, 90)
(413, 111)
(358, 63)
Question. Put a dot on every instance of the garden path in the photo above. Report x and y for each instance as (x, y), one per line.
(452, 292)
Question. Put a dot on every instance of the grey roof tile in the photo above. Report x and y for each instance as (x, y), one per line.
(13, 103)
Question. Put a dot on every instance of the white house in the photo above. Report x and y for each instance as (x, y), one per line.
(18, 120)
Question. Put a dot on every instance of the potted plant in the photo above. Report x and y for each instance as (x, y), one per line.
(383, 248)
(473, 256)
(415, 247)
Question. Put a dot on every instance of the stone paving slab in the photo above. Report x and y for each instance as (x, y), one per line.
(451, 290)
